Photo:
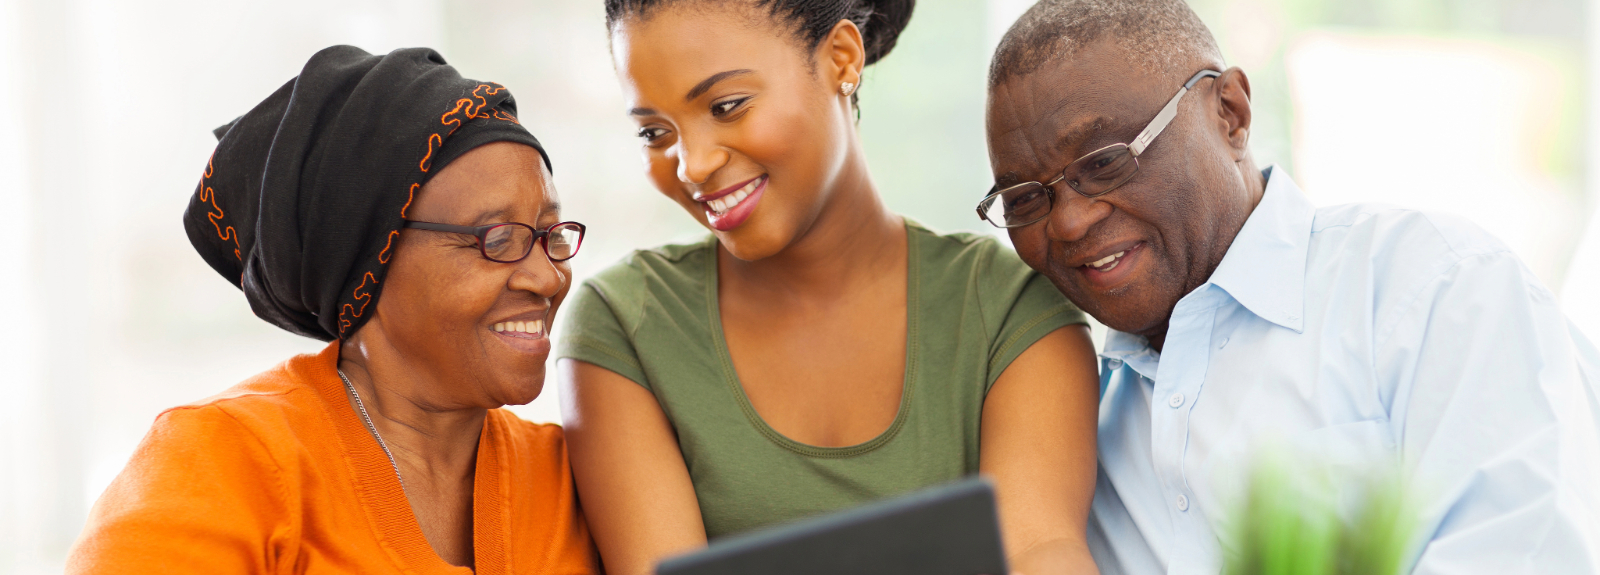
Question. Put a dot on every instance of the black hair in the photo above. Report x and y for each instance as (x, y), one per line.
(880, 21)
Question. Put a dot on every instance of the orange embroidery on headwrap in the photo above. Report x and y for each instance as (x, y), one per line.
(210, 196)
(383, 256)
(362, 294)
(465, 109)
(498, 114)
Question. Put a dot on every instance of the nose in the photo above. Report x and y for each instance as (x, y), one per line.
(538, 275)
(1073, 215)
(698, 159)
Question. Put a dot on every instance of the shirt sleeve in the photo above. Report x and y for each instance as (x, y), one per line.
(1497, 425)
(201, 494)
(594, 334)
(1039, 308)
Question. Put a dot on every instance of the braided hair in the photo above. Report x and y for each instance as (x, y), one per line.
(880, 21)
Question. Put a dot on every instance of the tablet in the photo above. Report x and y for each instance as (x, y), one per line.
(946, 530)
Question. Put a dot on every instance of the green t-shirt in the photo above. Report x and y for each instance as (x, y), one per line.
(973, 307)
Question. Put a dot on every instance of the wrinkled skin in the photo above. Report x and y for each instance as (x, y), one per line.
(429, 365)
(1176, 218)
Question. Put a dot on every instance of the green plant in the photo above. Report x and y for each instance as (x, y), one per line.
(1299, 520)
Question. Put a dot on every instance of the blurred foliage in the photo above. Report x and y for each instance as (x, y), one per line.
(1298, 520)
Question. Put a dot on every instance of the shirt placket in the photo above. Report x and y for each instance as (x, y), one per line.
(1185, 357)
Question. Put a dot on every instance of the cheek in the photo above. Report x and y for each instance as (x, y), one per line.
(1032, 246)
(435, 300)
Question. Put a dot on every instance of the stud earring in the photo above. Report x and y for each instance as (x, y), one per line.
(846, 88)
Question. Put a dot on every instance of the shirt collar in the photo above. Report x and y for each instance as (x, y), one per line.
(1265, 267)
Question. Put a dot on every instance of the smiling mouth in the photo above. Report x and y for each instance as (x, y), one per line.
(1107, 263)
(725, 203)
(521, 329)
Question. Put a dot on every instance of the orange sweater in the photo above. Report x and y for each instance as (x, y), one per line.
(278, 475)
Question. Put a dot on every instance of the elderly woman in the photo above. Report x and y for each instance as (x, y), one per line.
(386, 452)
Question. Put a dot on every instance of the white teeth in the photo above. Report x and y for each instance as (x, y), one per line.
(723, 204)
(1111, 259)
(535, 326)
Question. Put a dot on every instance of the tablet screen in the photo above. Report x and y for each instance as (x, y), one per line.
(947, 530)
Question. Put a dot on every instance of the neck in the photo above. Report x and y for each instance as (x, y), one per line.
(1255, 186)
(440, 444)
(855, 237)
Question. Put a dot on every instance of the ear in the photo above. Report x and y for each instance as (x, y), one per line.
(843, 54)
(1233, 98)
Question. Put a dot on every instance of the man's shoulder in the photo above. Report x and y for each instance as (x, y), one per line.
(1377, 229)
(1394, 258)
(1396, 251)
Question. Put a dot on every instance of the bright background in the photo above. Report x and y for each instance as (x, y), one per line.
(1484, 108)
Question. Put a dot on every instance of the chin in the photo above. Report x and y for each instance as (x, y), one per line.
(755, 240)
(522, 391)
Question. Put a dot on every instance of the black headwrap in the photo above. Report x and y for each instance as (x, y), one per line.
(303, 198)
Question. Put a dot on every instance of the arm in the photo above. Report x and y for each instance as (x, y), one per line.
(1038, 444)
(1495, 409)
(200, 495)
(636, 493)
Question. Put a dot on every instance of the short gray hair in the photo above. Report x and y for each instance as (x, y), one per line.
(1158, 35)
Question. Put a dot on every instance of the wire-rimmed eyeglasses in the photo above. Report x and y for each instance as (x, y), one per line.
(1095, 174)
(511, 242)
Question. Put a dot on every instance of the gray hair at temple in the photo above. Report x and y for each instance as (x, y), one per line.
(1160, 36)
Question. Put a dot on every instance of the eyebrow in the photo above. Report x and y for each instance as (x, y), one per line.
(707, 83)
(1081, 132)
(499, 216)
(492, 217)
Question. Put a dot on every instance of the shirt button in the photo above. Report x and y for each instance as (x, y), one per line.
(1176, 401)
(1183, 503)
(1223, 343)
(1114, 364)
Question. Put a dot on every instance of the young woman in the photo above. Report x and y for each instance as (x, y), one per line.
(817, 351)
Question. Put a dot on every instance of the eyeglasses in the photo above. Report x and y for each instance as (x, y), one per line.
(1095, 174)
(510, 243)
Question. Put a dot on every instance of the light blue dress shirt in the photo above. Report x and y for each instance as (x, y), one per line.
(1357, 335)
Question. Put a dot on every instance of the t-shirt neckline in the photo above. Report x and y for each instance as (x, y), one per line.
(908, 382)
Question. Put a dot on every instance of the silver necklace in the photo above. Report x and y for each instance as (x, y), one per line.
(367, 419)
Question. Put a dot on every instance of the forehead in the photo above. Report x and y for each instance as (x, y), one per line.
(1071, 105)
(664, 55)
(504, 179)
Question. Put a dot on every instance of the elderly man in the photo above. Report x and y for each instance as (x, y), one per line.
(1242, 316)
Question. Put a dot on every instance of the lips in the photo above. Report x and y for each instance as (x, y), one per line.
(1113, 268)
(727, 209)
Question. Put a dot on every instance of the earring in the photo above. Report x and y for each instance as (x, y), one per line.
(846, 88)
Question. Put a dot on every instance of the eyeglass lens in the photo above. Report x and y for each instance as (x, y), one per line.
(563, 241)
(508, 243)
(1092, 175)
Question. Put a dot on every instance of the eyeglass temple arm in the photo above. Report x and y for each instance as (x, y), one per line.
(1167, 114)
